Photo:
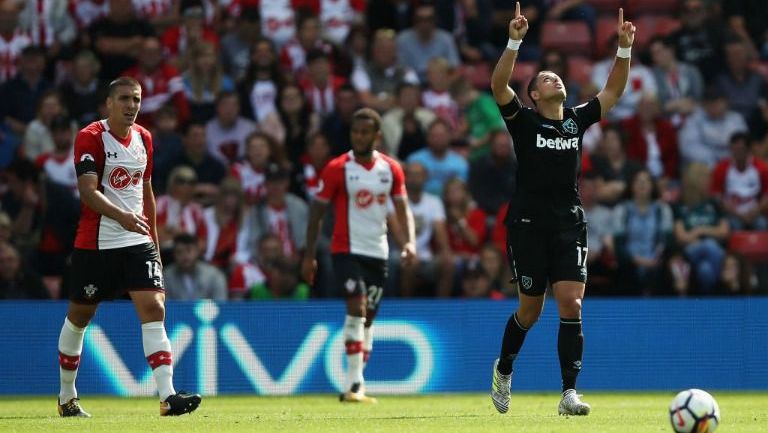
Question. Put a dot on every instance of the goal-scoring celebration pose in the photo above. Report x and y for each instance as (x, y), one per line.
(359, 184)
(116, 246)
(547, 238)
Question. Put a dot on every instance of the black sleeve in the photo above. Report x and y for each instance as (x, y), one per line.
(85, 165)
(588, 113)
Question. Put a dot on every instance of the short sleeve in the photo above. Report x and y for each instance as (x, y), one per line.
(89, 153)
(588, 113)
(511, 111)
(146, 137)
(331, 181)
(398, 180)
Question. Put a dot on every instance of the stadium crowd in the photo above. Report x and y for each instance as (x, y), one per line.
(247, 100)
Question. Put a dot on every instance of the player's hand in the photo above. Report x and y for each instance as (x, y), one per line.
(135, 223)
(309, 269)
(408, 254)
(518, 26)
(626, 31)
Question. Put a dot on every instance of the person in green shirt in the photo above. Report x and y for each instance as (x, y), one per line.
(481, 116)
(282, 283)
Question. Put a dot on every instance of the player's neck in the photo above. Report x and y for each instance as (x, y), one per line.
(551, 111)
(365, 158)
(118, 128)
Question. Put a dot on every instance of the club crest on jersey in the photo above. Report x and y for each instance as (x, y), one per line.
(119, 178)
(363, 198)
(570, 126)
(527, 282)
(86, 157)
(90, 290)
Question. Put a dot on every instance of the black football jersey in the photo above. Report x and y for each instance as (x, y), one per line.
(548, 163)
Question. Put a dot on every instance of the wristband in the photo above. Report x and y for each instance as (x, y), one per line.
(514, 44)
(624, 53)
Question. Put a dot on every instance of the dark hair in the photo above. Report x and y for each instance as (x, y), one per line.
(33, 50)
(663, 40)
(316, 54)
(439, 121)
(60, 122)
(226, 94)
(23, 169)
(403, 85)
(368, 114)
(120, 82)
(193, 124)
(740, 136)
(533, 85)
(615, 127)
(184, 239)
(629, 192)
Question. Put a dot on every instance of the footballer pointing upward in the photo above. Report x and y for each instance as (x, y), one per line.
(547, 233)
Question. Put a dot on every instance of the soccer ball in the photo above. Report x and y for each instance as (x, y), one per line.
(694, 411)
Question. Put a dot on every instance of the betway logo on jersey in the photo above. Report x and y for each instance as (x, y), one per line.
(558, 143)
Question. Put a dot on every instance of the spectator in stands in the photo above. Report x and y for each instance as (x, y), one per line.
(437, 97)
(699, 40)
(377, 80)
(601, 258)
(37, 138)
(258, 89)
(297, 119)
(22, 93)
(85, 13)
(572, 10)
(432, 273)
(250, 173)
(17, 282)
(118, 38)
(223, 225)
(441, 162)
(492, 261)
(177, 212)
(740, 183)
(492, 176)
(209, 170)
(403, 127)
(293, 55)
(652, 142)
(338, 17)
(737, 276)
(49, 25)
(705, 133)
(320, 85)
(746, 19)
(479, 115)
(283, 283)
(416, 46)
(746, 90)
(167, 146)
(9, 144)
(256, 269)
(477, 283)
(470, 24)
(236, 45)
(466, 223)
(555, 61)
(203, 80)
(640, 81)
(504, 12)
(389, 14)
(13, 40)
(338, 123)
(680, 84)
(178, 39)
(642, 231)
(21, 201)
(311, 165)
(700, 228)
(5, 228)
(189, 278)
(83, 92)
(280, 213)
(226, 133)
(612, 167)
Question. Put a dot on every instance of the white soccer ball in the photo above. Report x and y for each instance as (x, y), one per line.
(694, 411)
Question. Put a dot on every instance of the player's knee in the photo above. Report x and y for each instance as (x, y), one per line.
(528, 318)
(570, 308)
(153, 311)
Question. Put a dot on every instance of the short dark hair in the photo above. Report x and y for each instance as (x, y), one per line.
(629, 191)
(120, 82)
(616, 127)
(224, 94)
(184, 239)
(440, 121)
(33, 50)
(368, 114)
(532, 86)
(193, 124)
(740, 136)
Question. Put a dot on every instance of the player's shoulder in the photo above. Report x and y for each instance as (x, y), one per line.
(392, 162)
(338, 162)
(144, 132)
(93, 129)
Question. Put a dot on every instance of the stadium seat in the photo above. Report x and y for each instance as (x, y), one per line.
(579, 69)
(606, 30)
(572, 37)
(523, 73)
(606, 7)
(649, 26)
(479, 74)
(753, 245)
(635, 8)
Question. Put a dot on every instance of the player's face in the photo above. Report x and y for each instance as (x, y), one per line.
(363, 135)
(550, 87)
(124, 105)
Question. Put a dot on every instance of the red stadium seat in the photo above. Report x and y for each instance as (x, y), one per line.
(636, 8)
(523, 73)
(606, 31)
(479, 74)
(607, 7)
(649, 26)
(579, 69)
(572, 37)
(666, 25)
(753, 245)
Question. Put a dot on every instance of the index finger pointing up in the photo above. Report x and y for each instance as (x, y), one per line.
(621, 16)
(517, 9)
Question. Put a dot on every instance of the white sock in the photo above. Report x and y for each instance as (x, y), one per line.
(70, 348)
(157, 349)
(353, 340)
(367, 344)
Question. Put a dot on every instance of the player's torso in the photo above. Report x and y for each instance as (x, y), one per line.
(368, 190)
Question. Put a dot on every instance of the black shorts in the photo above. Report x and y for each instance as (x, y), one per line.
(102, 275)
(539, 255)
(361, 276)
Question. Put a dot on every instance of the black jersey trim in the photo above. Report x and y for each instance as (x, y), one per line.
(512, 109)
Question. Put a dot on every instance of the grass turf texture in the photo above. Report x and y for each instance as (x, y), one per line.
(611, 412)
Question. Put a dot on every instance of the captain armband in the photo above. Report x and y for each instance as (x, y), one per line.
(86, 165)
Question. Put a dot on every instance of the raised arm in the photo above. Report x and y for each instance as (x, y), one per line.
(502, 73)
(617, 79)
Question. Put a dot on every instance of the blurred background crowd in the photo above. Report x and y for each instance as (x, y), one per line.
(248, 100)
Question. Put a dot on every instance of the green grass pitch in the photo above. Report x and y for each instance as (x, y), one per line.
(442, 413)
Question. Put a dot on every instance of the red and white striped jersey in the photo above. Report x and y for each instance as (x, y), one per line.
(150, 9)
(188, 218)
(122, 166)
(278, 21)
(245, 276)
(337, 16)
(59, 169)
(222, 242)
(311, 176)
(10, 50)
(159, 87)
(251, 179)
(443, 105)
(744, 189)
(359, 194)
(86, 12)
